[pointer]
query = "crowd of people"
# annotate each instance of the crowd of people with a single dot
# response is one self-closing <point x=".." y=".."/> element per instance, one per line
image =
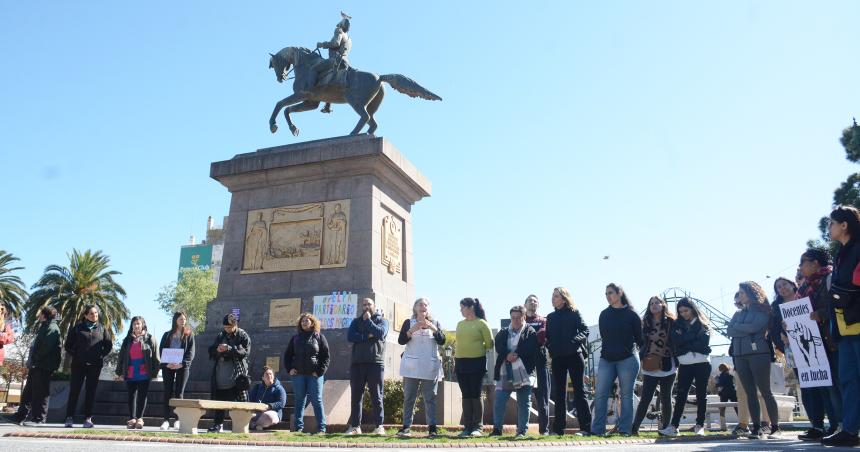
<point x="535" y="357"/>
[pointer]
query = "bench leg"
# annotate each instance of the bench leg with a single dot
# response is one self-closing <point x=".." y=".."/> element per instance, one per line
<point x="188" y="419"/>
<point x="241" y="419"/>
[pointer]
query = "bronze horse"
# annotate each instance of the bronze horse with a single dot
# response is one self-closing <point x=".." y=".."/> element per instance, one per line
<point x="363" y="91"/>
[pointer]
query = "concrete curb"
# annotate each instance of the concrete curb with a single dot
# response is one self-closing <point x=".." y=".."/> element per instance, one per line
<point x="341" y="444"/>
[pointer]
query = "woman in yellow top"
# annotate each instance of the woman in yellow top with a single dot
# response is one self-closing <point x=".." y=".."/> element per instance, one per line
<point x="474" y="338"/>
<point x="845" y="320"/>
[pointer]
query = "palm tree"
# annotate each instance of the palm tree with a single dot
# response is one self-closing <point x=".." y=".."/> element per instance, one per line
<point x="86" y="280"/>
<point x="12" y="291"/>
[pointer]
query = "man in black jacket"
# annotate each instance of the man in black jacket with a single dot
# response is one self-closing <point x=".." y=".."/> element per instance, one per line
<point x="88" y="343"/>
<point x="516" y="357"/>
<point x="44" y="360"/>
<point x="367" y="334"/>
<point x="541" y="390"/>
<point x="230" y="352"/>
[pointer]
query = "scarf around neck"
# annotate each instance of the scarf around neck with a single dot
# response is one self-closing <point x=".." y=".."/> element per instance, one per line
<point x="813" y="283"/>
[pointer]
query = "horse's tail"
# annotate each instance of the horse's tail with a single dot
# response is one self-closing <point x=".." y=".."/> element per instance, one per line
<point x="407" y="86"/>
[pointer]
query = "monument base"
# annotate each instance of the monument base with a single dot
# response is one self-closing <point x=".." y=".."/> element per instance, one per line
<point x="315" y="227"/>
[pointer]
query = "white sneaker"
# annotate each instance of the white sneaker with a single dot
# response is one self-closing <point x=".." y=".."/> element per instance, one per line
<point x="176" y="424"/>
<point x="353" y="430"/>
<point x="379" y="431"/>
<point x="669" y="431"/>
<point x="477" y="432"/>
<point x="165" y="425"/>
<point x="699" y="430"/>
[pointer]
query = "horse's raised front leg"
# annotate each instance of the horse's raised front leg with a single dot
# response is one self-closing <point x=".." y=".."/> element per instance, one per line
<point x="304" y="106"/>
<point x="279" y="106"/>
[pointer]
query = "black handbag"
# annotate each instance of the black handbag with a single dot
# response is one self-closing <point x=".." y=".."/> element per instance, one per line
<point x="843" y="297"/>
<point x="243" y="380"/>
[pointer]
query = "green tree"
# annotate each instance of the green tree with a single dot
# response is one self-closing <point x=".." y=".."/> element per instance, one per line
<point x="194" y="290"/>
<point x="87" y="280"/>
<point x="848" y="193"/>
<point x="851" y="142"/>
<point x="12" y="291"/>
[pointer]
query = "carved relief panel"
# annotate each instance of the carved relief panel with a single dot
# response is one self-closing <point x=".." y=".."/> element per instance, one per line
<point x="392" y="244"/>
<point x="300" y="237"/>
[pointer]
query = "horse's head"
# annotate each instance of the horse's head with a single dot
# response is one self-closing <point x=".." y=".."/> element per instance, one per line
<point x="280" y="65"/>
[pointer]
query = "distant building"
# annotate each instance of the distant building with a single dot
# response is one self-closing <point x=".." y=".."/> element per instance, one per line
<point x="207" y="254"/>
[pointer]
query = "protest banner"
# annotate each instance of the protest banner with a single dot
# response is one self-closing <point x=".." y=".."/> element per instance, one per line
<point x="336" y="310"/>
<point x="807" y="346"/>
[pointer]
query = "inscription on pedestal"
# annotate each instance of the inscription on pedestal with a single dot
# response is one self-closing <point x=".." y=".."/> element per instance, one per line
<point x="392" y="243"/>
<point x="284" y="311"/>
<point x="299" y="237"/>
<point x="274" y="363"/>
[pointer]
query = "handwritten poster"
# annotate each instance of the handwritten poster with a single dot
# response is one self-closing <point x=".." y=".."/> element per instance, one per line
<point x="336" y="310"/>
<point x="807" y="346"/>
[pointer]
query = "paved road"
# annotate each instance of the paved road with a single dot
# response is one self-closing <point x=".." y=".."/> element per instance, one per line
<point x="58" y="445"/>
<point x="52" y="445"/>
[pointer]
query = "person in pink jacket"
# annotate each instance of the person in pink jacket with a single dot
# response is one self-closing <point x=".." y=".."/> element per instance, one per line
<point x="6" y="334"/>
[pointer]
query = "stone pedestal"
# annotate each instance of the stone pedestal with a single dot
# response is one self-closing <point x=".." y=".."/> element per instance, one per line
<point x="307" y="220"/>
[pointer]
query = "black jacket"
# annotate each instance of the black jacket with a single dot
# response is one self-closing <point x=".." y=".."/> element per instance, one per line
<point x="566" y="333"/>
<point x="239" y="349"/>
<point x="775" y="330"/>
<point x="307" y="353"/>
<point x="403" y="339"/>
<point x="187" y="343"/>
<point x="726" y="385"/>
<point x="620" y="333"/>
<point x="846" y="294"/>
<point x="88" y="347"/>
<point x="527" y="350"/>
<point x="368" y="339"/>
<point x="691" y="338"/>
<point x="46" y="350"/>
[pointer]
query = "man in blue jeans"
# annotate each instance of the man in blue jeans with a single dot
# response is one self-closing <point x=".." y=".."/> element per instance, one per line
<point x="367" y="334"/>
<point x="516" y="357"/>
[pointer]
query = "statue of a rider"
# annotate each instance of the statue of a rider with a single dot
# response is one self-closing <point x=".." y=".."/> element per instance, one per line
<point x="338" y="50"/>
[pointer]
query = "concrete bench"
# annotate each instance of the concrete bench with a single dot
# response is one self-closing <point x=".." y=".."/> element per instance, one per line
<point x="190" y="411"/>
<point x="714" y="407"/>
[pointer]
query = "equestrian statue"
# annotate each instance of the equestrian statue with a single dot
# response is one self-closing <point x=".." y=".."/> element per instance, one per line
<point x="334" y="81"/>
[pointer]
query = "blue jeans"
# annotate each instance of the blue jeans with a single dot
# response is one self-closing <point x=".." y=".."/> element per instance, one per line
<point x="410" y="395"/>
<point x="524" y="402"/>
<point x="849" y="377"/>
<point x="309" y="387"/>
<point x="607" y="371"/>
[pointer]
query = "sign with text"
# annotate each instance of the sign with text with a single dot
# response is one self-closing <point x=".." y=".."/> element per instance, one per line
<point x="172" y="355"/>
<point x="195" y="256"/>
<point x="807" y="345"/>
<point x="336" y="310"/>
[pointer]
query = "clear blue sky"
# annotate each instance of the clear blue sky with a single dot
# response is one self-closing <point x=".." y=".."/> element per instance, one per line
<point x="695" y="144"/>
